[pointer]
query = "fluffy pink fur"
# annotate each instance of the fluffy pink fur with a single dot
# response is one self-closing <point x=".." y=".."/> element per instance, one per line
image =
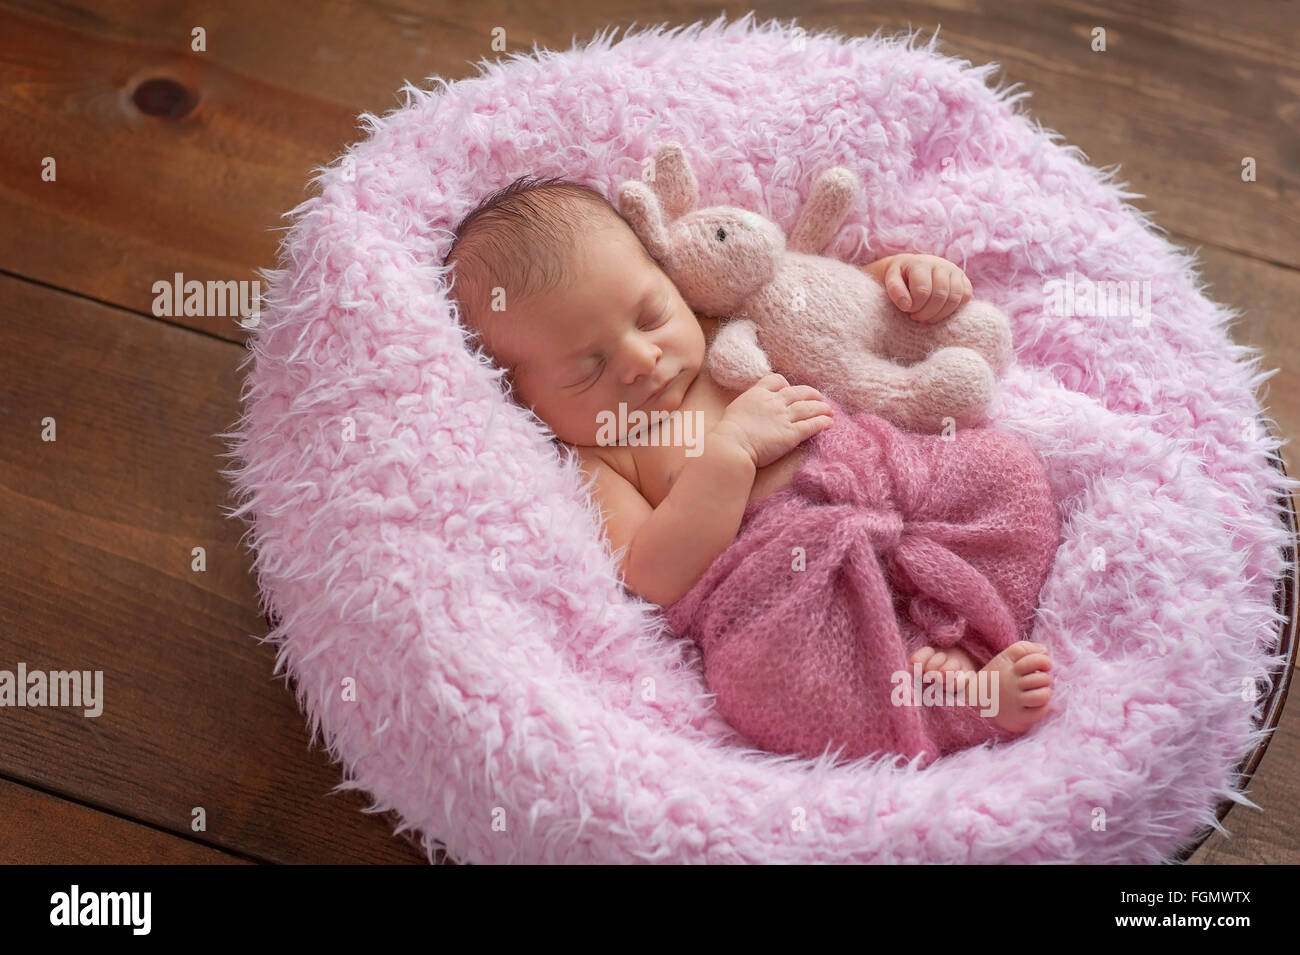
<point x="514" y="704"/>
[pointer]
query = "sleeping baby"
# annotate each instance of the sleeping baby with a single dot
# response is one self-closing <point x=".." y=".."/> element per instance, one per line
<point x="594" y="338"/>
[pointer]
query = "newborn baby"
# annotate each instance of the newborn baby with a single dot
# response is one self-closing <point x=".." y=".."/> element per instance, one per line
<point x="559" y="291"/>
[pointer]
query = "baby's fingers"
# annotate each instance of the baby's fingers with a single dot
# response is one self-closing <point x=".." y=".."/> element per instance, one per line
<point x="820" y="423"/>
<point x="803" y="392"/>
<point x="772" y="381"/>
<point x="810" y="406"/>
<point x="896" y="287"/>
<point x="936" y="295"/>
<point x="816" y="417"/>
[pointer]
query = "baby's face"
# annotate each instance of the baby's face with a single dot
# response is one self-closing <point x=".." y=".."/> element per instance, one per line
<point x="615" y="332"/>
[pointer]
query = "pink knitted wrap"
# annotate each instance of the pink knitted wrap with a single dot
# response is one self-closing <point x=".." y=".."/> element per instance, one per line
<point x="907" y="539"/>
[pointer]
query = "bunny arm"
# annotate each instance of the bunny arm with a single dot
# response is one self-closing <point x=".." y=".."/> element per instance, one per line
<point x="736" y="360"/>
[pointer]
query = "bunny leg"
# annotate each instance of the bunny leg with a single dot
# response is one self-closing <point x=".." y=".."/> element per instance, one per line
<point x="979" y="326"/>
<point x="954" y="383"/>
<point x="953" y="386"/>
<point x="984" y="327"/>
<point x="917" y="398"/>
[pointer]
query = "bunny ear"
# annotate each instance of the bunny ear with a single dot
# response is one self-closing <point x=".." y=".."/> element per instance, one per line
<point x="640" y="207"/>
<point x="833" y="194"/>
<point x="673" y="181"/>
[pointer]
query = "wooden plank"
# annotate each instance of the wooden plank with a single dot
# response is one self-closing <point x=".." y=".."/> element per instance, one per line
<point x="95" y="574"/>
<point x="39" y="829"/>
<point x="1178" y="98"/>
<point x="1181" y="95"/>
<point x="1266" y="296"/>
<point x="137" y="197"/>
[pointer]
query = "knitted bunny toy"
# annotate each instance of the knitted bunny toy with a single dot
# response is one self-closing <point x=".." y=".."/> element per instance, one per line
<point x="817" y="320"/>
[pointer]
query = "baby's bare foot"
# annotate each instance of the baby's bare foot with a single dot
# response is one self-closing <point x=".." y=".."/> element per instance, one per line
<point x="949" y="658"/>
<point x="1024" y="685"/>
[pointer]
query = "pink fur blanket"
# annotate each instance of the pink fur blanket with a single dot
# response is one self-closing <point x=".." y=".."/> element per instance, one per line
<point x="884" y="541"/>
<point x="424" y="547"/>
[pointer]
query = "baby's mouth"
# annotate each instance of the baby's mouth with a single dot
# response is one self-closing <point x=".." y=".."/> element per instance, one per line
<point x="659" y="394"/>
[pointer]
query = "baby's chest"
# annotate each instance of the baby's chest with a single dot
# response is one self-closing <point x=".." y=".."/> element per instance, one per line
<point x="658" y="466"/>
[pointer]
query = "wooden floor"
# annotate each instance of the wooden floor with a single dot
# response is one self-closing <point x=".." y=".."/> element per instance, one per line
<point x="200" y="755"/>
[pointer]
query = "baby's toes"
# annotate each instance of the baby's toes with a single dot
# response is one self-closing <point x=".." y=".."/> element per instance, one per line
<point x="1036" y="698"/>
<point x="921" y="657"/>
<point x="1031" y="662"/>
<point x="1035" y="689"/>
<point x="1020" y="649"/>
<point x="1035" y="680"/>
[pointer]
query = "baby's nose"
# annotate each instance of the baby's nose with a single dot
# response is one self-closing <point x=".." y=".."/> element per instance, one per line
<point x="646" y="360"/>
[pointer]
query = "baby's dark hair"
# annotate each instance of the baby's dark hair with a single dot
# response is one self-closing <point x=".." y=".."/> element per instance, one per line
<point x="518" y="238"/>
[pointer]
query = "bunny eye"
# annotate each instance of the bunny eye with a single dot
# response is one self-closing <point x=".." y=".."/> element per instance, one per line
<point x="722" y="235"/>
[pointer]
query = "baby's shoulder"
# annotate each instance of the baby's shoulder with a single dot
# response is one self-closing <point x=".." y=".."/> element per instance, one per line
<point x="617" y="458"/>
<point x="616" y="490"/>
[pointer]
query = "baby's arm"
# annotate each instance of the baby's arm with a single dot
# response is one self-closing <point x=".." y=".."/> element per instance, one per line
<point x="669" y="547"/>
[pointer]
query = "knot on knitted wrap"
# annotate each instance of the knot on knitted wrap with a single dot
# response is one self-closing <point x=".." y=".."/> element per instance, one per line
<point x="876" y="523"/>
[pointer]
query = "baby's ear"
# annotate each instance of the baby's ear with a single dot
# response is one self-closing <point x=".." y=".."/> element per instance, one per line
<point x="639" y="206"/>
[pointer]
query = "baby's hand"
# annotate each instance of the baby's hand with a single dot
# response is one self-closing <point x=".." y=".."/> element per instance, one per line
<point x="773" y="417"/>
<point x="925" y="286"/>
